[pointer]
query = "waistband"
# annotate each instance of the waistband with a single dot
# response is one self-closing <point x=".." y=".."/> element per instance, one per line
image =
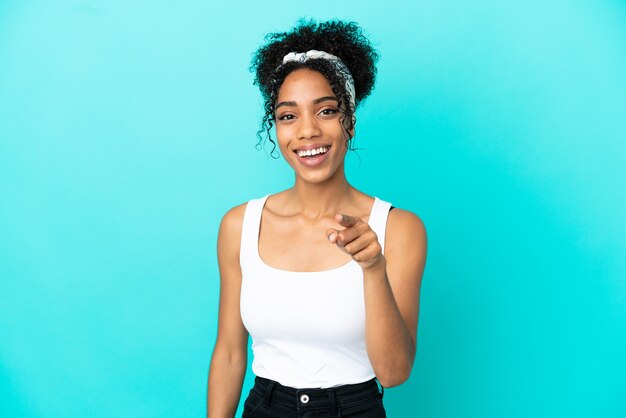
<point x="272" y="391"/>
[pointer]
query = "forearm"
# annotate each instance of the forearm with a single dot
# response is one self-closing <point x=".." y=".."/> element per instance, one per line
<point x="389" y="344"/>
<point x="224" y="386"/>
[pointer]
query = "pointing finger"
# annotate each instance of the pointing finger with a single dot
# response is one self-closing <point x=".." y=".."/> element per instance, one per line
<point x="346" y="220"/>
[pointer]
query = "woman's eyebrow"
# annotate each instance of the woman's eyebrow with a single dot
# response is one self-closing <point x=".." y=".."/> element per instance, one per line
<point x="316" y="101"/>
<point x="323" y="99"/>
<point x="293" y="104"/>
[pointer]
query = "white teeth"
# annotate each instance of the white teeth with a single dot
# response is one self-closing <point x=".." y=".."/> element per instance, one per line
<point x="320" y="150"/>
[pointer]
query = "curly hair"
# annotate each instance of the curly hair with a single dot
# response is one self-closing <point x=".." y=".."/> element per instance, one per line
<point x="342" y="39"/>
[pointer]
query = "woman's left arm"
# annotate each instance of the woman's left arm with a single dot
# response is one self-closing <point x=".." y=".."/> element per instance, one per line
<point x="392" y="288"/>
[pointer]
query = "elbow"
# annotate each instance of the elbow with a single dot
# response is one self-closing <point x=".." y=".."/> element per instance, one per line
<point x="393" y="378"/>
<point x="398" y="372"/>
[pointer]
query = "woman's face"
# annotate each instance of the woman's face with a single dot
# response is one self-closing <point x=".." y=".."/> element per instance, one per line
<point x="308" y="122"/>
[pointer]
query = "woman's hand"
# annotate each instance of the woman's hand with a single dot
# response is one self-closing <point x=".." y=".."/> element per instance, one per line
<point x="358" y="240"/>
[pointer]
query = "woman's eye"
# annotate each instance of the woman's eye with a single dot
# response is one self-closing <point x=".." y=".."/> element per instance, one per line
<point x="329" y="111"/>
<point x="286" y="117"/>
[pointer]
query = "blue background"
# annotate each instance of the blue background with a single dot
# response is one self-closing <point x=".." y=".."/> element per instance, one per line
<point x="127" y="129"/>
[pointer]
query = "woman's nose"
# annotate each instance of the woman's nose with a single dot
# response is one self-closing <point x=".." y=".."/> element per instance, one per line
<point x="308" y="127"/>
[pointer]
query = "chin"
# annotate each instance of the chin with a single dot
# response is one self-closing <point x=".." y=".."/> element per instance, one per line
<point x="319" y="177"/>
<point x="316" y="179"/>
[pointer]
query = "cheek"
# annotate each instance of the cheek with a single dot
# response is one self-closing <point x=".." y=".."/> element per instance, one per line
<point x="282" y="137"/>
<point x="337" y="131"/>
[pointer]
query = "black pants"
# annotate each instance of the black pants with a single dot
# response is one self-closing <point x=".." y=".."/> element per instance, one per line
<point x="270" y="399"/>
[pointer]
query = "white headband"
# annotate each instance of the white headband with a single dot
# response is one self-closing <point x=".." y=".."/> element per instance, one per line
<point x="339" y="66"/>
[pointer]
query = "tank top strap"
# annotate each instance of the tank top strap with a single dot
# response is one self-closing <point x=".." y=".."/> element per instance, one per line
<point x="250" y="230"/>
<point x="378" y="220"/>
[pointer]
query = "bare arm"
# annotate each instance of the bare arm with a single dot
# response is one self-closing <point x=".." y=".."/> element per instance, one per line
<point x="392" y="289"/>
<point x="229" y="361"/>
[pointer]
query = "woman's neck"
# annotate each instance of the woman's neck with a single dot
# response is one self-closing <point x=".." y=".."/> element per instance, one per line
<point x="319" y="200"/>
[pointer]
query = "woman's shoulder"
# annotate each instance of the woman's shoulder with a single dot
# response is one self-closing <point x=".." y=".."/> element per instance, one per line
<point x="231" y="225"/>
<point x="405" y="244"/>
<point x="405" y="226"/>
<point x="232" y="220"/>
<point x="404" y="216"/>
<point x="233" y="217"/>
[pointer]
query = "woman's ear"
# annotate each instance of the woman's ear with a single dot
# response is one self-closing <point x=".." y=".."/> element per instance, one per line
<point x="349" y="130"/>
<point x="352" y="132"/>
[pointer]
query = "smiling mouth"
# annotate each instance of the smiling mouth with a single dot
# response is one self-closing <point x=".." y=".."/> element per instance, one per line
<point x="312" y="152"/>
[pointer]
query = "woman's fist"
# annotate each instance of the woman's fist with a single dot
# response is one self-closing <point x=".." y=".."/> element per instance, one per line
<point x="357" y="239"/>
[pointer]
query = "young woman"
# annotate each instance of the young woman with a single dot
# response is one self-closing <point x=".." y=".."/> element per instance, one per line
<point x="323" y="277"/>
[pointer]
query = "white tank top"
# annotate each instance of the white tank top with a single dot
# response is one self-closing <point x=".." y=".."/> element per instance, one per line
<point x="307" y="328"/>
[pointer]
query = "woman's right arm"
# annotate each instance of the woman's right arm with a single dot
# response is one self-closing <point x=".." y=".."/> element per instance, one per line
<point x="230" y="355"/>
